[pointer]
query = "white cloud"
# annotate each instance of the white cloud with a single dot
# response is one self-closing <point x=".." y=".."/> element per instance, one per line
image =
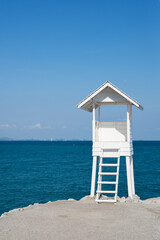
<point x="30" y="127"/>
<point x="4" y="126"/>
<point x="36" y="126"/>
<point x="64" y="127"/>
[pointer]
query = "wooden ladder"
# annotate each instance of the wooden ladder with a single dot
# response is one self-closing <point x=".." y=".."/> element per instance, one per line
<point x="108" y="153"/>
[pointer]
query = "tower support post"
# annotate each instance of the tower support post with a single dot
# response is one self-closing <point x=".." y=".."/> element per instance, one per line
<point x="93" y="181"/>
<point x="94" y="165"/>
<point x="132" y="175"/>
<point x="129" y="182"/>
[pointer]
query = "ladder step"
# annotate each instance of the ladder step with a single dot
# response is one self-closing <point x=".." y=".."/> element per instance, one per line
<point x="108" y="173"/>
<point x="109" y="156"/>
<point x="108" y="200"/>
<point x="103" y="182"/>
<point x="103" y="191"/>
<point x="109" y="164"/>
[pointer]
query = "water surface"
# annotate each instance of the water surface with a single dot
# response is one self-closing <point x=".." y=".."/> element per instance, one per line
<point x="38" y="172"/>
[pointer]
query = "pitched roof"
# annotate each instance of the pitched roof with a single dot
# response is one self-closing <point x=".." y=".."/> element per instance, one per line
<point x="107" y="94"/>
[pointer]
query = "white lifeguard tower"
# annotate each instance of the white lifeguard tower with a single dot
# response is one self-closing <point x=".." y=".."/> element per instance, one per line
<point x="111" y="140"/>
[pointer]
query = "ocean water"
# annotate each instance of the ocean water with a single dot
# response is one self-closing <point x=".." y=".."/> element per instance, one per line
<point x="38" y="172"/>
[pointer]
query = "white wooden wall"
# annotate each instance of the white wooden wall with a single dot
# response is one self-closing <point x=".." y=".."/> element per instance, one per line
<point x="110" y="131"/>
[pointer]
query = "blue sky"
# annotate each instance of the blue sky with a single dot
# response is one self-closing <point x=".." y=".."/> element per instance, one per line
<point x="54" y="53"/>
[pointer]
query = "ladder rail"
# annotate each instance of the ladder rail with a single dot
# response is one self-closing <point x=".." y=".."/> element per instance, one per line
<point x="117" y="179"/>
<point x="99" y="177"/>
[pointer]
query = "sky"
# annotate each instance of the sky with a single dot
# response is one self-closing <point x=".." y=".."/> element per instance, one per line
<point x="55" y="53"/>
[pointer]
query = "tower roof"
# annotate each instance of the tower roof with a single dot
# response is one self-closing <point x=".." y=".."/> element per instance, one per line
<point x="107" y="94"/>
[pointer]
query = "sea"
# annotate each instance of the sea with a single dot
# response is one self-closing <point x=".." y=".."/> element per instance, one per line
<point x="41" y="171"/>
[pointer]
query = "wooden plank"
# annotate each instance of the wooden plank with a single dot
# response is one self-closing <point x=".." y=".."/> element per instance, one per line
<point x="105" y="182"/>
<point x="106" y="191"/>
<point x="105" y="201"/>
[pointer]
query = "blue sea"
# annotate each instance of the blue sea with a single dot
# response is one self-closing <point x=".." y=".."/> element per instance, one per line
<point x="38" y="172"/>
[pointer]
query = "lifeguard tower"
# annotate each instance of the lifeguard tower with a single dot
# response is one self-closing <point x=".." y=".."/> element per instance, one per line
<point x="111" y="140"/>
